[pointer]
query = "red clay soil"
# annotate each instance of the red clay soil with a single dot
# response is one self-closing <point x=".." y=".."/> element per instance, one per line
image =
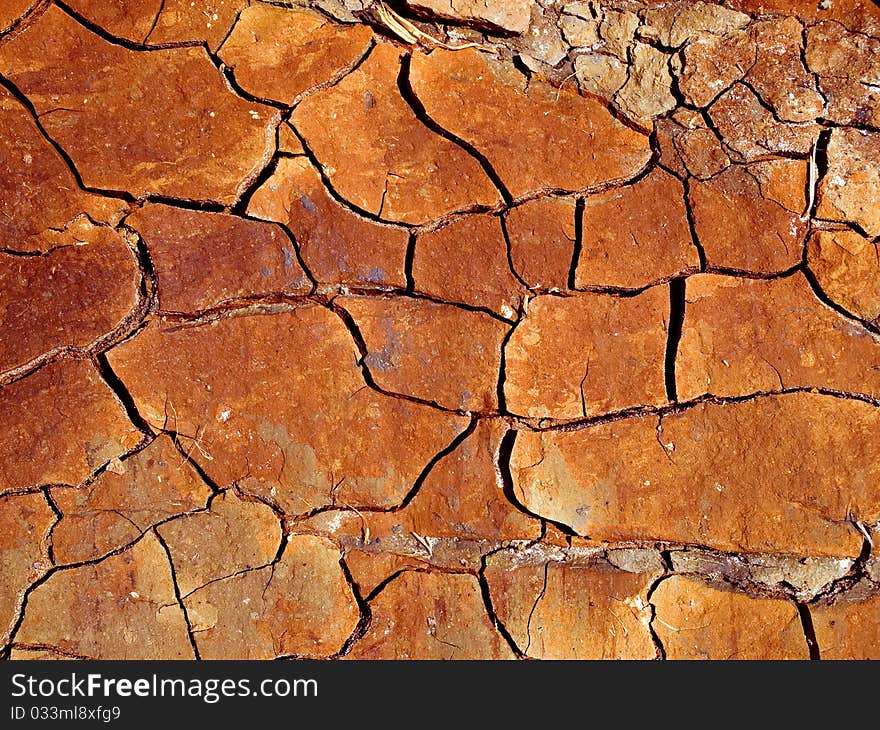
<point x="496" y="330"/>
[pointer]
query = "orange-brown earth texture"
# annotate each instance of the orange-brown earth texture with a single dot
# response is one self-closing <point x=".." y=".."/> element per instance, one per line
<point x="498" y="329"/>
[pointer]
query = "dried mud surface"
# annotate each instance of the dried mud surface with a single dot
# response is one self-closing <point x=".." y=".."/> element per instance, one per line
<point x="497" y="330"/>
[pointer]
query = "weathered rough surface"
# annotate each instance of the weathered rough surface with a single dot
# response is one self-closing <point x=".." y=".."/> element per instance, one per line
<point x="850" y="189"/>
<point x="848" y="66"/>
<point x="242" y="416"/>
<point x="132" y="592"/>
<point x="379" y="156"/>
<point x="586" y="355"/>
<point x="338" y="246"/>
<point x="536" y="138"/>
<point x="847" y="268"/>
<point x="25" y="521"/>
<point x="848" y="629"/>
<point x="750" y="335"/>
<point x="743" y="228"/>
<point x="696" y="621"/>
<point x="87" y="291"/>
<point x="466" y="262"/>
<point x="636" y="236"/>
<point x="698" y="478"/>
<point x="572" y="611"/>
<point x="232" y="536"/>
<point x="204" y="260"/>
<point x="198" y="140"/>
<point x="40" y="197"/>
<point x="542" y="240"/>
<point x="439" y="329"/>
<point x="434" y="352"/>
<point x="505" y="15"/>
<point x="61" y="424"/>
<point x="431" y="616"/>
<point x="299" y="606"/>
<point x="278" y="53"/>
<point x="124" y="501"/>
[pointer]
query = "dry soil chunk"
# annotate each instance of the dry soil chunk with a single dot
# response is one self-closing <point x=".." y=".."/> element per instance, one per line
<point x="298" y="606"/>
<point x="850" y="189"/>
<point x="338" y="246"/>
<point x="466" y="262"/>
<point x="848" y="67"/>
<point x="647" y="92"/>
<point x="436" y="352"/>
<point x="232" y="536"/>
<point x="167" y="123"/>
<point x="512" y="16"/>
<point x="67" y="298"/>
<point x="698" y="478"/>
<point x="636" y="235"/>
<point x="711" y="64"/>
<point x="39" y="195"/>
<point x="848" y="629"/>
<point x="431" y="616"/>
<point x="537" y="138"/>
<point x="123" y="607"/>
<point x="279" y="405"/>
<point x="744" y="336"/>
<point x="124" y="501"/>
<point x="195" y="20"/>
<point x="572" y="611"/>
<point x="280" y="53"/>
<point x="847" y="267"/>
<point x="742" y="227"/>
<point x="542" y="238"/>
<point x="25" y="521"/>
<point x="203" y="260"/>
<point x="695" y="621"/>
<point x="379" y="156"/>
<point x="61" y="424"/>
<point x="581" y="356"/>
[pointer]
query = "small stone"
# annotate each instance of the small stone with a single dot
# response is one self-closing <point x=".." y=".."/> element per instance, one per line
<point x="116" y="509"/>
<point x="847" y="268"/>
<point x="740" y="229"/>
<point x="648" y="91"/>
<point x="151" y="112"/>
<point x="466" y="262"/>
<point x="435" y="352"/>
<point x="38" y="447"/>
<point x="587" y="355"/>
<point x="302" y="429"/>
<point x="636" y="235"/>
<point x="338" y="246"/>
<point x="696" y="621"/>
<point x="25" y="522"/>
<point x="68" y="298"/>
<point x="380" y="157"/>
<point x="281" y="53"/>
<point x="697" y="477"/>
<point x="536" y="139"/>
<point x="203" y="260"/>
<point x="572" y="611"/>
<point x="430" y="616"/>
<point x="850" y="189"/>
<point x="300" y="605"/>
<point x="542" y="239"/>
<point x="62" y="611"/>
<point x="512" y="16"/>
<point x="743" y="336"/>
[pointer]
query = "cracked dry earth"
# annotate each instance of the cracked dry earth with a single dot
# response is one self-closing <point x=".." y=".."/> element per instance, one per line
<point x="447" y="330"/>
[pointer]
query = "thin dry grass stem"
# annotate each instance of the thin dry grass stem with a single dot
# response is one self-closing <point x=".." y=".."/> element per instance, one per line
<point x="408" y="32"/>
